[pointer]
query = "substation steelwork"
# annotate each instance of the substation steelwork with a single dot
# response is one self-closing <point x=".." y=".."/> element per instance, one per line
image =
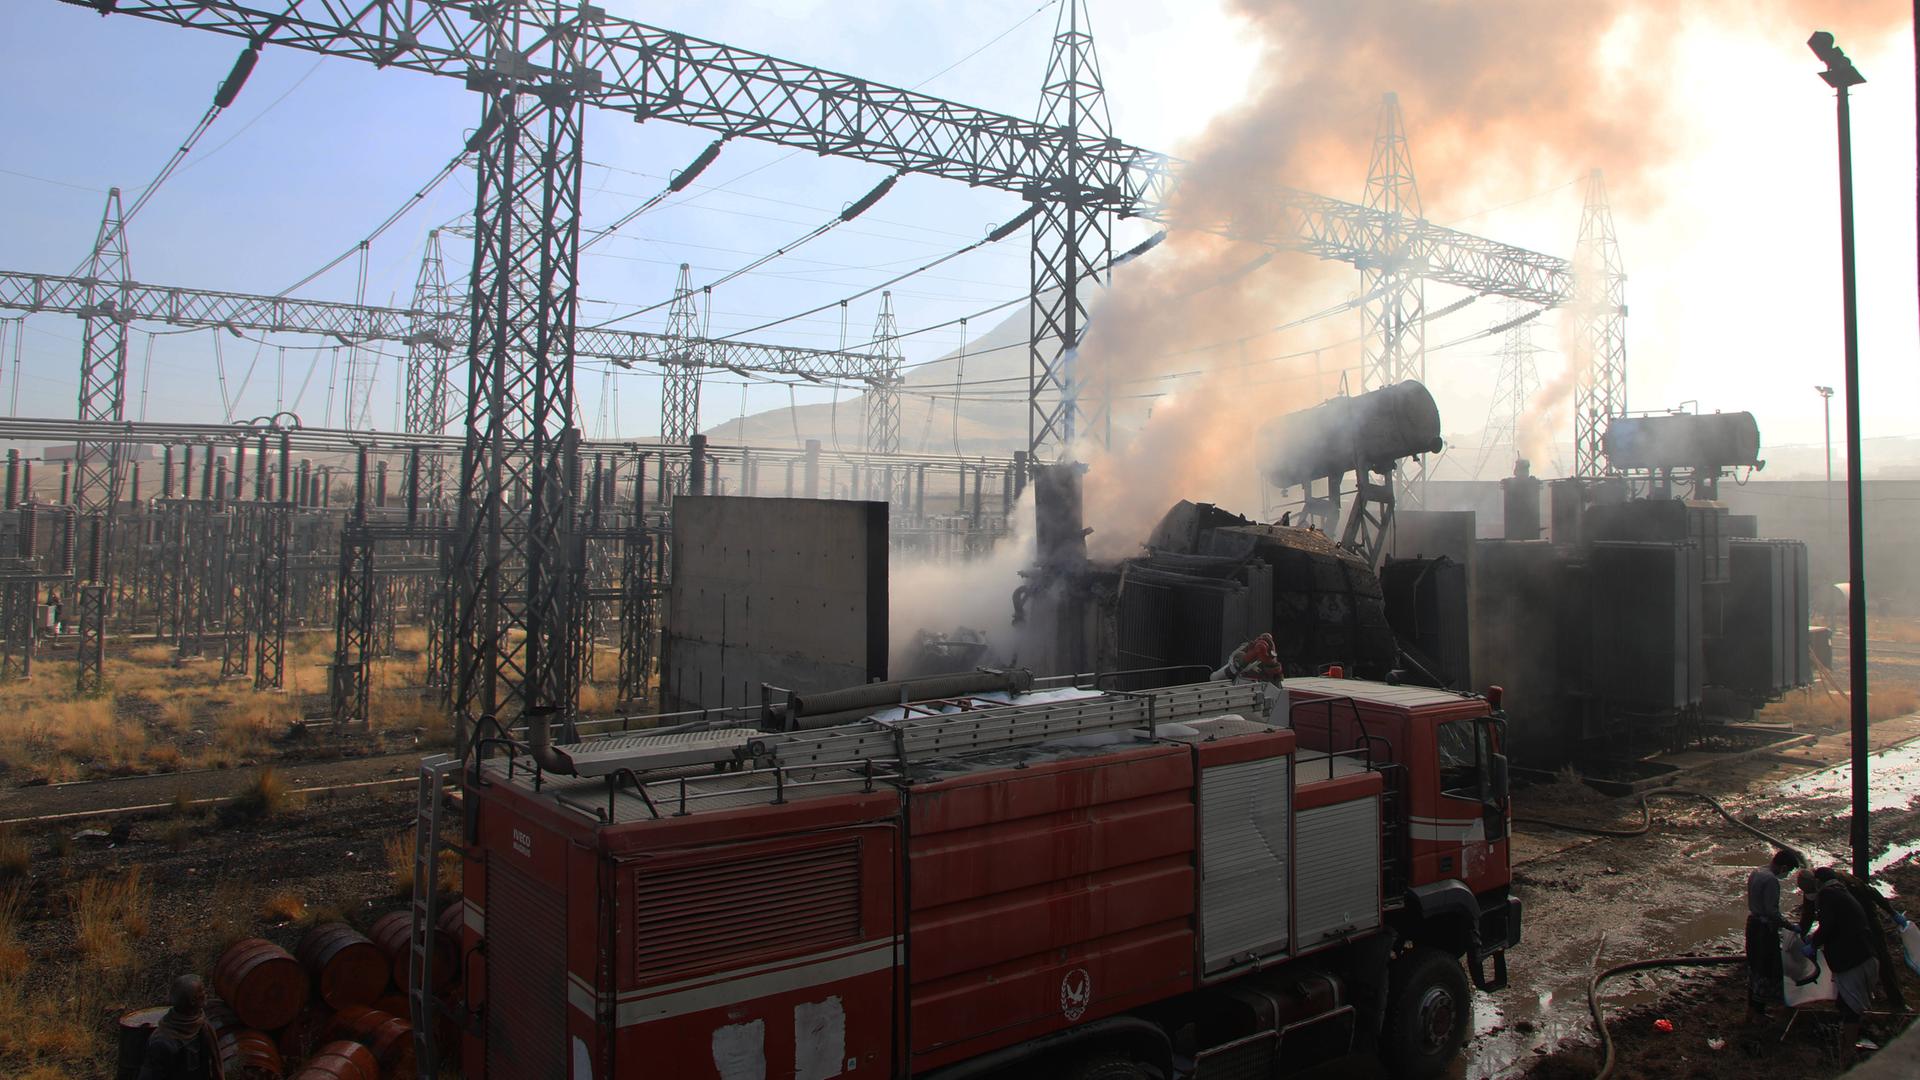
<point x="499" y="507"/>
<point x="220" y="568"/>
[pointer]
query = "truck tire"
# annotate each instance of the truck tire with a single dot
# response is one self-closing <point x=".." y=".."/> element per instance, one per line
<point x="1113" y="1066"/>
<point x="1429" y="1008"/>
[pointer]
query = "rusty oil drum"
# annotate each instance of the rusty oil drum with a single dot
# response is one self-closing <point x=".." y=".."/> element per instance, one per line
<point x="246" y="1054"/>
<point x="135" y="1029"/>
<point x="307" y="1031"/>
<point x="394" y="936"/>
<point x="261" y="982"/>
<point x="341" y="1060"/>
<point x="390" y="1037"/>
<point x="347" y="968"/>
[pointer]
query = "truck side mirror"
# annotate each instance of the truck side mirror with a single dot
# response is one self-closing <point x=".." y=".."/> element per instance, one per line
<point x="1499" y="784"/>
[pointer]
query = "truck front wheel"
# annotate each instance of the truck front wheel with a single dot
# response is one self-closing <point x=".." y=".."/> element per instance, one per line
<point x="1429" y="1007"/>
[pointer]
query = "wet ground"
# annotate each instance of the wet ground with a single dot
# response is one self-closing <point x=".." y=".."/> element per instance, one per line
<point x="1678" y="890"/>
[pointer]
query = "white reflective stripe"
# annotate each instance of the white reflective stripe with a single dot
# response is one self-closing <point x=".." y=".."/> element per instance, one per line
<point x="474" y="918"/>
<point x="1455" y="831"/>
<point x="580" y="995"/>
<point x="736" y="973"/>
<point x="806" y="972"/>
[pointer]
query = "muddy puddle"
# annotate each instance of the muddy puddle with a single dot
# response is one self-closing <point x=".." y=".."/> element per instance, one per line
<point x="1673" y="893"/>
<point x="1896" y="779"/>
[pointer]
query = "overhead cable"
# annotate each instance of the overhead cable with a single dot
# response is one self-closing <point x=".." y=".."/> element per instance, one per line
<point x="675" y="185"/>
<point x="224" y="96"/>
<point x="412" y="201"/>
<point x="999" y="233"/>
<point x="853" y="210"/>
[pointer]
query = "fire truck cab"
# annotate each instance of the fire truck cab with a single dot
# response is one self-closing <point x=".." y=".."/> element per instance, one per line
<point x="1065" y="883"/>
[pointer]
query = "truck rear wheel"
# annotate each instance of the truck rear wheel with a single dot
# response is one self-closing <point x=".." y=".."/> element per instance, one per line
<point x="1113" y="1066"/>
<point x="1429" y="1007"/>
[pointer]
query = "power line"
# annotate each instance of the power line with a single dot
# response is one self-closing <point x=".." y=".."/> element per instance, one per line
<point x="853" y="210"/>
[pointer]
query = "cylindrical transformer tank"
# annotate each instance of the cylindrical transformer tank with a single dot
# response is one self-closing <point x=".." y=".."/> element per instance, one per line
<point x="1683" y="441"/>
<point x="1374" y="429"/>
<point x="1520" y="494"/>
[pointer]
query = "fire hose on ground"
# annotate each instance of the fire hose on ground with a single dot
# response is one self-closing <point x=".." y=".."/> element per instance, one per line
<point x="1693" y="960"/>
<point x="1593" y="988"/>
<point x="1646" y="819"/>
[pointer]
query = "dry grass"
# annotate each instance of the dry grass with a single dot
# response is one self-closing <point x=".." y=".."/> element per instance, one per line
<point x="181" y="712"/>
<point x="85" y="729"/>
<point x="53" y="1031"/>
<point x="410" y="639"/>
<point x="13" y="955"/>
<point x="266" y="796"/>
<point x="399" y="854"/>
<point x="283" y="906"/>
<point x="597" y="699"/>
<point x="1905" y="631"/>
<point x="15" y="856"/>
<point x="242" y="735"/>
<point x="109" y="915"/>
<point x="164" y="757"/>
<point x="152" y="654"/>
<point x="1818" y="709"/>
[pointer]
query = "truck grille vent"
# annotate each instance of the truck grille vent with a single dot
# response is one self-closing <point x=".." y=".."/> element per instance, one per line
<point x="526" y="979"/>
<point x="715" y="914"/>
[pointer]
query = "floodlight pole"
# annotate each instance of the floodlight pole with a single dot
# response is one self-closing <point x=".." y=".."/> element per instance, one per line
<point x="1841" y="74"/>
<point x="1826" y="419"/>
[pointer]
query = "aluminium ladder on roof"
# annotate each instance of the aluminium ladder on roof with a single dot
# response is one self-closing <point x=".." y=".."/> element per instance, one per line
<point x="421" y="1002"/>
<point x="926" y="737"/>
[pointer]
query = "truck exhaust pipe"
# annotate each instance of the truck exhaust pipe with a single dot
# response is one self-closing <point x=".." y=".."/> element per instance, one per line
<point x="549" y="757"/>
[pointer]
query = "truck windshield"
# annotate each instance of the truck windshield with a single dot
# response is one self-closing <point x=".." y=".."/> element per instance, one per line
<point x="1461" y="759"/>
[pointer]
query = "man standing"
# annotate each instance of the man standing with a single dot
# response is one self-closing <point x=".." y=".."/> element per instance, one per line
<point x="1843" y="934"/>
<point x="1764" y="924"/>
<point x="1869" y="899"/>
<point x="182" y="1046"/>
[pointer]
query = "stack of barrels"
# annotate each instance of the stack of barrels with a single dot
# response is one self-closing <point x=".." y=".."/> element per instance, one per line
<point x="337" y="1004"/>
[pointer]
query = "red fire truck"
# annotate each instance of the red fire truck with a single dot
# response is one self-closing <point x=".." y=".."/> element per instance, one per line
<point x="1063" y="883"/>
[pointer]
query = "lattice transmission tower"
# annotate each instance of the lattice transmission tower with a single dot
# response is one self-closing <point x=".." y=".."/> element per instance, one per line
<point x="1394" y="345"/>
<point x="883" y="393"/>
<point x="97" y="466"/>
<point x="1072" y="240"/>
<point x="680" y="387"/>
<point x="513" y="544"/>
<point x="1599" y="310"/>
<point x="431" y="338"/>
<point x="1515" y="385"/>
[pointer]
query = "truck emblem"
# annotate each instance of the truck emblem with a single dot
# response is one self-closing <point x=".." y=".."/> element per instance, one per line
<point x="1076" y="991"/>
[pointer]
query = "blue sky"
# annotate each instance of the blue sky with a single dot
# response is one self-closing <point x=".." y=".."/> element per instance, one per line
<point x="1731" y="272"/>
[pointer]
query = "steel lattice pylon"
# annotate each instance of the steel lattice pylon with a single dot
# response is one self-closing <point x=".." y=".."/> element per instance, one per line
<point x="96" y="473"/>
<point x="50" y="293"/>
<point x="514" y="621"/>
<point x="1599" y="309"/>
<point x="680" y="387"/>
<point x="430" y="342"/>
<point x="273" y="523"/>
<point x="1519" y="377"/>
<point x="1072" y="240"/>
<point x="883" y="383"/>
<point x="1394" y="345"/>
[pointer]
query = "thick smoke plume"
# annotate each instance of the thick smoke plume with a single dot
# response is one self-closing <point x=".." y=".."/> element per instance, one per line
<point x="977" y="595"/>
<point x="1501" y="96"/>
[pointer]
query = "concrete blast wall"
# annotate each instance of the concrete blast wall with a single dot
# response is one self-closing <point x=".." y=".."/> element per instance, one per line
<point x="790" y="592"/>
